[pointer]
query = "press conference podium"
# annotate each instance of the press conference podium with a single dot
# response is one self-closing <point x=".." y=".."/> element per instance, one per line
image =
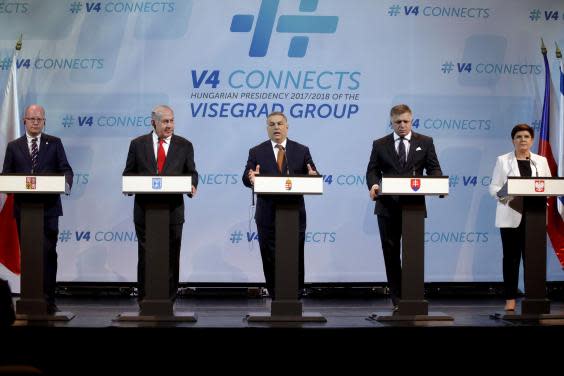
<point x="412" y="305"/>
<point x="157" y="305"/>
<point x="534" y="190"/>
<point x="32" y="304"/>
<point x="287" y="307"/>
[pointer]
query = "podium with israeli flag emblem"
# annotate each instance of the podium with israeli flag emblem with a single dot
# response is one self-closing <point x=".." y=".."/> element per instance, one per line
<point x="32" y="305"/>
<point x="412" y="305"/>
<point x="287" y="307"/>
<point x="157" y="304"/>
<point x="534" y="191"/>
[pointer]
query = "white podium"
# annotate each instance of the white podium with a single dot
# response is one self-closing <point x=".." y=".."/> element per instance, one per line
<point x="286" y="190"/>
<point x="412" y="305"/>
<point x="536" y="193"/>
<point x="156" y="305"/>
<point x="32" y="304"/>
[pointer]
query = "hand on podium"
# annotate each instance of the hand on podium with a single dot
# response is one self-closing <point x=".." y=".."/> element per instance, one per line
<point x="374" y="192"/>
<point x="253" y="173"/>
<point x="311" y="171"/>
<point x="192" y="193"/>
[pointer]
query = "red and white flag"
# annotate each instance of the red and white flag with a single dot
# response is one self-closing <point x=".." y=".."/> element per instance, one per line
<point x="550" y="141"/>
<point x="9" y="130"/>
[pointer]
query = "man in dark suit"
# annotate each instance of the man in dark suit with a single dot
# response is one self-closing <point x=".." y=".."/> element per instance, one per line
<point x="275" y="157"/>
<point x="161" y="152"/>
<point x="40" y="153"/>
<point x="402" y="153"/>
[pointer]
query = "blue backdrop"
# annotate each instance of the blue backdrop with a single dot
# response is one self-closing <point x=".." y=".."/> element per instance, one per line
<point x="469" y="70"/>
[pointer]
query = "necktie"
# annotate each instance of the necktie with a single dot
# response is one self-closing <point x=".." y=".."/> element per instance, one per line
<point x="401" y="152"/>
<point x="161" y="156"/>
<point x="34" y="154"/>
<point x="280" y="157"/>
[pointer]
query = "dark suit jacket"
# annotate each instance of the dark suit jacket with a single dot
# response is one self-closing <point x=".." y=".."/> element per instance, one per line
<point x="384" y="162"/>
<point x="51" y="160"/>
<point x="296" y="161"/>
<point x="179" y="161"/>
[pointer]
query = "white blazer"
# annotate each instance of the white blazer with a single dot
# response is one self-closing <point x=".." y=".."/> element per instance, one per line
<point x="506" y="214"/>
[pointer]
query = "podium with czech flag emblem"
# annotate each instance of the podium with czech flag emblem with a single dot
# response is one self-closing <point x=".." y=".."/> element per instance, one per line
<point x="32" y="189"/>
<point x="412" y="305"/>
<point x="287" y="307"/>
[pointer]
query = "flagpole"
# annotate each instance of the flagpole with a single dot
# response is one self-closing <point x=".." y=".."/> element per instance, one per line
<point x="9" y="130"/>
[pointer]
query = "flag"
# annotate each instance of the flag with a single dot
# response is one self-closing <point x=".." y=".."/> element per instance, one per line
<point x="555" y="222"/>
<point x="560" y="132"/>
<point x="9" y="130"/>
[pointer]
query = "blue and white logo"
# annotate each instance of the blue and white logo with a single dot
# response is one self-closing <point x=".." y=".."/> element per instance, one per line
<point x="302" y="24"/>
<point x="157" y="183"/>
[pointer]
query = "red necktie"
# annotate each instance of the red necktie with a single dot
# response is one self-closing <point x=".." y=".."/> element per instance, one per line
<point x="161" y="156"/>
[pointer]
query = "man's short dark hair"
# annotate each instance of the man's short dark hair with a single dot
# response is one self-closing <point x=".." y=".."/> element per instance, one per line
<point x="400" y="109"/>
<point x="276" y="113"/>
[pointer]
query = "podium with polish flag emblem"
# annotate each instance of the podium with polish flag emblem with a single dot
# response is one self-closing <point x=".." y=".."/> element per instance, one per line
<point x="32" y="304"/>
<point x="534" y="191"/>
<point x="412" y="305"/>
<point x="287" y="307"/>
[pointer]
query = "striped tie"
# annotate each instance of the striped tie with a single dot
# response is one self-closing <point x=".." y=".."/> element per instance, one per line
<point x="34" y="154"/>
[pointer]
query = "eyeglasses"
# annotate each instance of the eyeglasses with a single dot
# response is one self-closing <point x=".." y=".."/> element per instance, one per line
<point x="35" y="120"/>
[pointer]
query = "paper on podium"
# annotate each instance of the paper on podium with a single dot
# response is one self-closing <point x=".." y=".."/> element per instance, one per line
<point x="503" y="191"/>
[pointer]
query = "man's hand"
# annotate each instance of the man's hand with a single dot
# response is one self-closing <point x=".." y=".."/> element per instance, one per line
<point x="252" y="173"/>
<point x="374" y="191"/>
<point x="311" y="171"/>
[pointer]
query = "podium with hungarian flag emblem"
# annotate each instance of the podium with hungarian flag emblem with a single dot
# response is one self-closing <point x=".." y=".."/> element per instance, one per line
<point x="287" y="307"/>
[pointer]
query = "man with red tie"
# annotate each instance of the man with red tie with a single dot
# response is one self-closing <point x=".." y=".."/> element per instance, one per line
<point x="277" y="156"/>
<point x="161" y="152"/>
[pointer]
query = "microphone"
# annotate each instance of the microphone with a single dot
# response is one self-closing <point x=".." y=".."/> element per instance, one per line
<point x="287" y="161"/>
<point x="534" y="165"/>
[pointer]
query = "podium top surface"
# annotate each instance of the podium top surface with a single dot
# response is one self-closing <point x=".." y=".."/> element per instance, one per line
<point x="289" y="185"/>
<point x="535" y="186"/>
<point x="156" y="184"/>
<point x="414" y="185"/>
<point x="32" y="183"/>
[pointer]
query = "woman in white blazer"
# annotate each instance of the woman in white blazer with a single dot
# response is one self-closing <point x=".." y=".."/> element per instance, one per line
<point x="508" y="214"/>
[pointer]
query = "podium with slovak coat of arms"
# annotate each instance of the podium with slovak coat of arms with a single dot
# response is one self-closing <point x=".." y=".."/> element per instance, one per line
<point x="412" y="305"/>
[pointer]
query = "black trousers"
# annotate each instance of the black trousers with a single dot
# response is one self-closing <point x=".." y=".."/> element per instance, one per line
<point x="390" y="237"/>
<point x="267" y="244"/>
<point x="175" y="242"/>
<point x="50" y="237"/>
<point x="513" y="243"/>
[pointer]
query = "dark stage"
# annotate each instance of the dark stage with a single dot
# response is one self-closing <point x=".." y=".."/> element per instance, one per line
<point x="222" y="340"/>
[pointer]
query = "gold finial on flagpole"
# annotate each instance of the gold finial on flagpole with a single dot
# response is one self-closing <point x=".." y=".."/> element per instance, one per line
<point x="19" y="43"/>
<point x="543" y="47"/>
<point x="558" y="52"/>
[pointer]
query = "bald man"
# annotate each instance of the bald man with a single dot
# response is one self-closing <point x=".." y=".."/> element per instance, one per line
<point x="40" y="153"/>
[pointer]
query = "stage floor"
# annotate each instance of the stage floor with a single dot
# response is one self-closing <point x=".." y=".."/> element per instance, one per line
<point x="222" y="340"/>
<point x="230" y="312"/>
